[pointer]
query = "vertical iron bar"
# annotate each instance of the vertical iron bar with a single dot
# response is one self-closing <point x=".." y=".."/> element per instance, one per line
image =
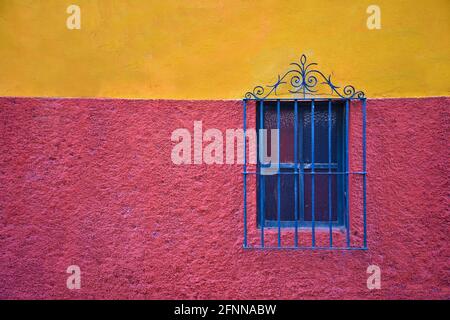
<point x="261" y="177"/>
<point x="279" y="174"/>
<point x="313" y="222"/>
<point x="364" y="169"/>
<point x="347" y="169"/>
<point x="245" y="172"/>
<point x="295" y="173"/>
<point x="329" y="175"/>
<point x="302" y="172"/>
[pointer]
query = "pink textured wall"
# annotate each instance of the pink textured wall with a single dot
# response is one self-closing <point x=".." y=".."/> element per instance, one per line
<point x="90" y="182"/>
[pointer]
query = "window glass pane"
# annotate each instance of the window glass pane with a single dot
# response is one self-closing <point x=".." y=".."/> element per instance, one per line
<point x="287" y="196"/>
<point x="320" y="131"/>
<point x="286" y="128"/>
<point x="270" y="122"/>
<point x="320" y="196"/>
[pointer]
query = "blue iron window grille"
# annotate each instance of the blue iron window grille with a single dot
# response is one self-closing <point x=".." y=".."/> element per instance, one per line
<point x="309" y="194"/>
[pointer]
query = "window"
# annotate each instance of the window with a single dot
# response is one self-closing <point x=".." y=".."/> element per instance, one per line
<point x="312" y="194"/>
<point x="296" y="173"/>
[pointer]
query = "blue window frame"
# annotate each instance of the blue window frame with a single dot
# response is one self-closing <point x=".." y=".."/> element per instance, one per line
<point x="296" y="166"/>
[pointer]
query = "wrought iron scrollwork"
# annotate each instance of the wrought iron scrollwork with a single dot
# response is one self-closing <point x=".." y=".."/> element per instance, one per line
<point x="303" y="78"/>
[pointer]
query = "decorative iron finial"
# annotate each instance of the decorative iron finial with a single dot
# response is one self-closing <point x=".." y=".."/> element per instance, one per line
<point x="304" y="79"/>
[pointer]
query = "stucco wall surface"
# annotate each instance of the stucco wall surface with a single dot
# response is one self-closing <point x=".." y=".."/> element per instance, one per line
<point x="90" y="182"/>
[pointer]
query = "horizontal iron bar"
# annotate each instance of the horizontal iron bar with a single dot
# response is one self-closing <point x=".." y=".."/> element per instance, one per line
<point x="307" y="173"/>
<point x="306" y="165"/>
<point x="303" y="225"/>
<point x="307" y="248"/>
<point x="303" y="99"/>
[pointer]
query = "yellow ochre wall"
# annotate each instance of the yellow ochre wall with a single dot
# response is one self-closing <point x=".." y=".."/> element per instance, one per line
<point x="205" y="49"/>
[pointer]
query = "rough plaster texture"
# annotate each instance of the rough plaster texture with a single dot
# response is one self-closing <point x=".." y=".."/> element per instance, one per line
<point x="90" y="182"/>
